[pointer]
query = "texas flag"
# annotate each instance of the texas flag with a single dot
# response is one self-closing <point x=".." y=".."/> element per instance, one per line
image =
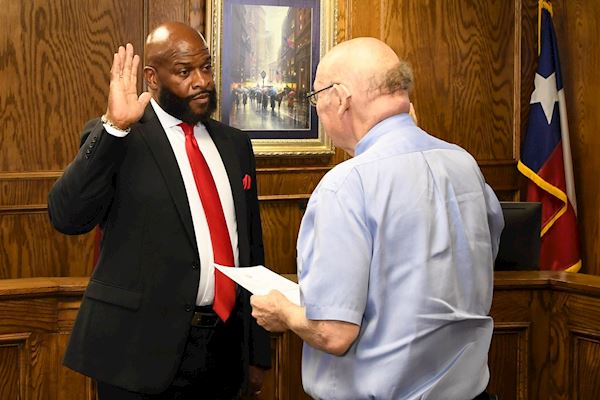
<point x="546" y="156"/>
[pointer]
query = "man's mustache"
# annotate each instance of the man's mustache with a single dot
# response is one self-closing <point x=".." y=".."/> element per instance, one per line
<point x="210" y="93"/>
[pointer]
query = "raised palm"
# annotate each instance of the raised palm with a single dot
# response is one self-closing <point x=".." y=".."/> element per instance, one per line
<point x="125" y="107"/>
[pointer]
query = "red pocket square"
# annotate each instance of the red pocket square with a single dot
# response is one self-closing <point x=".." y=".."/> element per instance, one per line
<point x="247" y="182"/>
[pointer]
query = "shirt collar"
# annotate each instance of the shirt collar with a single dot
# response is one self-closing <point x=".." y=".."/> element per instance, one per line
<point x="380" y="129"/>
<point x="166" y="119"/>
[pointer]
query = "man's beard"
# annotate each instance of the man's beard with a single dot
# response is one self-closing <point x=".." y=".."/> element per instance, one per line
<point x="179" y="107"/>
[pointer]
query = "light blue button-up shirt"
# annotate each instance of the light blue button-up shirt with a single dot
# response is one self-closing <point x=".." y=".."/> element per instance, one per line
<point x="401" y="240"/>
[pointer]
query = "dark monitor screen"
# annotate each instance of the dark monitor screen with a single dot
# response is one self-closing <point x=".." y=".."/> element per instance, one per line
<point x="519" y="248"/>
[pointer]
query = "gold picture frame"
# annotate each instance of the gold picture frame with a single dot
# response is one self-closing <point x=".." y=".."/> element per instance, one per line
<point x="287" y="125"/>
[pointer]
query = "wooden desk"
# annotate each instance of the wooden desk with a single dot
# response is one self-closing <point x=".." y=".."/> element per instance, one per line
<point x="546" y="342"/>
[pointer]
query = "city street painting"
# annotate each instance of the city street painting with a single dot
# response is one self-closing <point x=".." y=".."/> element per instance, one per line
<point x="265" y="54"/>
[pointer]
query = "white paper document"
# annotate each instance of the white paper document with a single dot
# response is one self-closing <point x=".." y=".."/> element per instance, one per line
<point x="260" y="280"/>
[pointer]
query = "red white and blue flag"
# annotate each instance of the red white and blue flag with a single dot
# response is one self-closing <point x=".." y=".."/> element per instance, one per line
<point x="546" y="155"/>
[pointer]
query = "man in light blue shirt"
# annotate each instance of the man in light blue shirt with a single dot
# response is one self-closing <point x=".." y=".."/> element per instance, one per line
<point x="396" y="249"/>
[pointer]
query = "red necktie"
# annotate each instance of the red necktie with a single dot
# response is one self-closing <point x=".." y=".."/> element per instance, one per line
<point x="219" y="235"/>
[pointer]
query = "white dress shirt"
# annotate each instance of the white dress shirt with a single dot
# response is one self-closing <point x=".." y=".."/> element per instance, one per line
<point x="176" y="137"/>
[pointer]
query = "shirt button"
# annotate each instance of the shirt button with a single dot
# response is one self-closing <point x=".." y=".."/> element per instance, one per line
<point x="188" y="307"/>
<point x="195" y="265"/>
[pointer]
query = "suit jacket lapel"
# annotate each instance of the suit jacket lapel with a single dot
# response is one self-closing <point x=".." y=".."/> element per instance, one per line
<point x="232" y="166"/>
<point x="156" y="139"/>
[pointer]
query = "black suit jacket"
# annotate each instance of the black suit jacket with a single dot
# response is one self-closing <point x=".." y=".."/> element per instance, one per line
<point x="135" y="314"/>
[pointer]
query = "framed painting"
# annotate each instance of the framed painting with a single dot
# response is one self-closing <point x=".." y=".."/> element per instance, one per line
<point x="265" y="54"/>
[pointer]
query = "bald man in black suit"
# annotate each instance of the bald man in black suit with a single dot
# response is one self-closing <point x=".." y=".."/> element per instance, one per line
<point x="146" y="328"/>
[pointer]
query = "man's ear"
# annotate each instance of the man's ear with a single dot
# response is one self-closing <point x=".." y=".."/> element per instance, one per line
<point x="151" y="78"/>
<point x="344" y="96"/>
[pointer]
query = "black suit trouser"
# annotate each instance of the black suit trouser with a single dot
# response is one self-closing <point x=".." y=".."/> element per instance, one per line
<point x="211" y="368"/>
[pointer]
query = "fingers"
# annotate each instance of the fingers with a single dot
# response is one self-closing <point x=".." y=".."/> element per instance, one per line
<point x="144" y="99"/>
<point x="115" y="70"/>
<point x="127" y="64"/>
<point x="133" y="72"/>
<point x="121" y="54"/>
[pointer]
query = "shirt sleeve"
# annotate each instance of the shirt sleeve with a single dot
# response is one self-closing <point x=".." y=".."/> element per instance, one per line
<point x="114" y="131"/>
<point x="495" y="218"/>
<point x="336" y="254"/>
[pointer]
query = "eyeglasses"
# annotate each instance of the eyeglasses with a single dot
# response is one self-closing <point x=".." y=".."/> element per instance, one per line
<point x="313" y="96"/>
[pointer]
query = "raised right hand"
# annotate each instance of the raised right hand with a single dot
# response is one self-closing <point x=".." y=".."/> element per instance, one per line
<point x="125" y="107"/>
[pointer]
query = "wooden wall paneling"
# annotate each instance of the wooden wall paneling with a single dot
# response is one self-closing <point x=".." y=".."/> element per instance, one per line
<point x="53" y="77"/>
<point x="532" y="311"/>
<point x="585" y="365"/>
<point x="582" y="343"/>
<point x="466" y="61"/>
<point x="284" y="380"/>
<point x="197" y="17"/>
<point x="521" y="318"/>
<point x="502" y="177"/>
<point x="280" y="223"/>
<point x="31" y="319"/>
<point x="42" y="352"/>
<point x="293" y="369"/>
<point x="574" y="343"/>
<point x="559" y="348"/>
<point x="539" y="370"/>
<point x="510" y="311"/>
<point x="25" y="184"/>
<point x="342" y="21"/>
<point x="25" y="191"/>
<point x="529" y="56"/>
<point x="463" y="56"/>
<point x="71" y="385"/>
<point x="27" y="323"/>
<point x="272" y="384"/>
<point x="509" y="349"/>
<point x="54" y="74"/>
<point x="14" y="366"/>
<point x="283" y="193"/>
<point x="365" y="18"/>
<point x="30" y="247"/>
<point x="160" y="11"/>
<point x="577" y="24"/>
<point x="288" y="181"/>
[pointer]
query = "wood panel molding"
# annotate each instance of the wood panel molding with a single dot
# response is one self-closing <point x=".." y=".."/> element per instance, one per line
<point x="36" y="318"/>
<point x="15" y="368"/>
<point x="561" y="310"/>
<point x="509" y="356"/>
<point x="281" y="216"/>
<point x="25" y="192"/>
<point x="585" y="363"/>
<point x="529" y="308"/>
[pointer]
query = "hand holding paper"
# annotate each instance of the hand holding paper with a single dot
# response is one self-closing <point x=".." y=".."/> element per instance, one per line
<point x="260" y="280"/>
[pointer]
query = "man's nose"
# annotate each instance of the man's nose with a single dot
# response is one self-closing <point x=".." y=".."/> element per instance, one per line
<point x="200" y="79"/>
